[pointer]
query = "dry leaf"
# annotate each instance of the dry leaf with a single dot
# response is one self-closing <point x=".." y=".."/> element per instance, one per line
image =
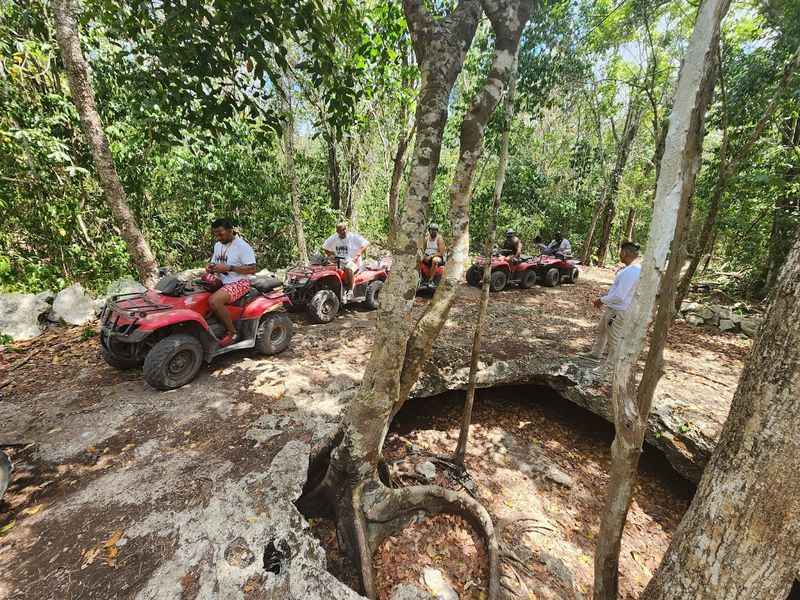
<point x="32" y="510"/>
<point x="115" y="537"/>
<point x="7" y="527"/>
<point x="89" y="556"/>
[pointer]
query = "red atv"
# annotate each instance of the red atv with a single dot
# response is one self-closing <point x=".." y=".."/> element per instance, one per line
<point x="526" y="271"/>
<point x="319" y="286"/>
<point x="171" y="330"/>
<point x="426" y="282"/>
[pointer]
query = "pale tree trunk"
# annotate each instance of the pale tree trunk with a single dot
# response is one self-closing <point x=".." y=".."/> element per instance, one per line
<point x="679" y="165"/>
<point x="64" y="12"/>
<point x="366" y="510"/>
<point x="608" y="209"/>
<point x="499" y="181"/>
<point x="291" y="174"/>
<point x="728" y="167"/>
<point x="740" y="538"/>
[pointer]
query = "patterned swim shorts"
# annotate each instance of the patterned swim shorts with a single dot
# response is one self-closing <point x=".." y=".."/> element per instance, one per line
<point x="237" y="289"/>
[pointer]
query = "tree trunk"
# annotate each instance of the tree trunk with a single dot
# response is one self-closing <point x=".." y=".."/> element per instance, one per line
<point x="632" y="119"/>
<point x="680" y="162"/>
<point x="740" y="537"/>
<point x="367" y="510"/>
<point x="83" y="97"/>
<point x="291" y="175"/>
<point x="500" y="178"/>
<point x="334" y="186"/>
<point x="398" y="166"/>
<point x="630" y="224"/>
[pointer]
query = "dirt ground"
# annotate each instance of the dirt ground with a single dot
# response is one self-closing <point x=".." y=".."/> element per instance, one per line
<point x="112" y="478"/>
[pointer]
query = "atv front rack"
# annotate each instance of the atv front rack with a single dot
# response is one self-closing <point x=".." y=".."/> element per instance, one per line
<point x="112" y="313"/>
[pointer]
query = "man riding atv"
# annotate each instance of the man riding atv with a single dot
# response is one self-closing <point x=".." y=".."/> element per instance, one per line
<point x="560" y="246"/>
<point x="512" y="246"/>
<point x="232" y="261"/>
<point x="435" y="250"/>
<point x="349" y="247"/>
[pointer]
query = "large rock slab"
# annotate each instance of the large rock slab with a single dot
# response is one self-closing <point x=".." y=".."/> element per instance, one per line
<point x="686" y="446"/>
<point x="72" y="306"/>
<point x="20" y="314"/>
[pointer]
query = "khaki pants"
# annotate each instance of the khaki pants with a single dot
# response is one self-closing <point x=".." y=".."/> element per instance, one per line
<point x="609" y="331"/>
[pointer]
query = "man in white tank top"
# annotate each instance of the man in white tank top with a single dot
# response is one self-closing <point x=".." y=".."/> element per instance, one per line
<point x="434" y="250"/>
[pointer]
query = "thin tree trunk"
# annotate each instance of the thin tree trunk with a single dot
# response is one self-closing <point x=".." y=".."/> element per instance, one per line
<point x="680" y="162"/>
<point x="291" y="174"/>
<point x="632" y="119"/>
<point x="398" y="166"/>
<point x="500" y="178"/>
<point x="334" y="185"/>
<point x="80" y="85"/>
<point x="630" y="224"/>
<point x="740" y="537"/>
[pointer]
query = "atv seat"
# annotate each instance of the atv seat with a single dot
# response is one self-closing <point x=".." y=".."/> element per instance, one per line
<point x="266" y="284"/>
<point x="251" y="295"/>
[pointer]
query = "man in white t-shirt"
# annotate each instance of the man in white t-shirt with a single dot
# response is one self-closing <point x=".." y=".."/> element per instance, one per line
<point x="233" y="260"/>
<point x="349" y="247"/>
<point x="617" y="302"/>
<point x="559" y="245"/>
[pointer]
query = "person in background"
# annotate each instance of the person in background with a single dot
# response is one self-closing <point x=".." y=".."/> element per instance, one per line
<point x="559" y="245"/>
<point x="232" y="262"/>
<point x="616" y="303"/>
<point x="512" y="245"/>
<point x="539" y="244"/>
<point x="435" y="250"/>
<point x="349" y="247"/>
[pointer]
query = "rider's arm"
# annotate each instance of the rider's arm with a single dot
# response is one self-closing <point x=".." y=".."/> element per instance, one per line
<point x="361" y="250"/>
<point x="243" y="269"/>
<point x="518" y="249"/>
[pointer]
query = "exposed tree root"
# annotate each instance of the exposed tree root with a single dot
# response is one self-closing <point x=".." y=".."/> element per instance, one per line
<point x="386" y="511"/>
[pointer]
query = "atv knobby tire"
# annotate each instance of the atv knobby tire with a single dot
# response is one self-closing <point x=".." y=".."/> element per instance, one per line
<point x="474" y="276"/>
<point x="552" y="277"/>
<point x="116" y="360"/>
<point x="498" y="281"/>
<point x="572" y="276"/>
<point x="324" y="306"/>
<point x="373" y="293"/>
<point x="528" y="279"/>
<point x="274" y="333"/>
<point x="173" y="362"/>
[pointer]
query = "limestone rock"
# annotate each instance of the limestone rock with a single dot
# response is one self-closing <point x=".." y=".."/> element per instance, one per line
<point x="726" y="325"/>
<point x="20" y="313"/>
<point x="190" y="274"/>
<point x="706" y="313"/>
<point x="406" y="591"/>
<point x="689" y="307"/>
<point x="72" y="306"/>
<point x="427" y="469"/>
<point x="438" y="585"/>
<point x="124" y="286"/>
<point x="722" y="312"/>
<point x="694" y="319"/>
<point x="750" y="325"/>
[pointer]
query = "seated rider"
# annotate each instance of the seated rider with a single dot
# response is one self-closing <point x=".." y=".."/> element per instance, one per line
<point x="233" y="260"/>
<point x="539" y="244"/>
<point x="349" y="247"/>
<point x="559" y="246"/>
<point x="512" y="246"/>
<point x="435" y="250"/>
